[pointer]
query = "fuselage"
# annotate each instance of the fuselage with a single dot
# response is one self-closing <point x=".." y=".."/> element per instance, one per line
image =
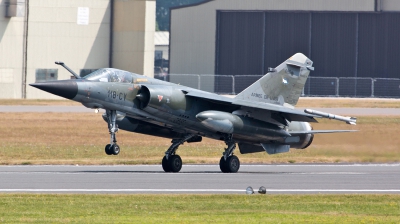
<point x="160" y="108"/>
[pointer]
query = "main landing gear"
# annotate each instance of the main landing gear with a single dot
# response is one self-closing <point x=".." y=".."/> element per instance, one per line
<point x="229" y="163"/>
<point x="172" y="162"/>
<point x="112" y="148"/>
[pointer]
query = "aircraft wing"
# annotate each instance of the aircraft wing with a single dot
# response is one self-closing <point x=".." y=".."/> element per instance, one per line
<point x="288" y="113"/>
<point x="319" y="132"/>
<point x="215" y="98"/>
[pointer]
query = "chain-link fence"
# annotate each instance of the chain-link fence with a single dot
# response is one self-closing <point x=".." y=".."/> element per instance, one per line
<point x="315" y="86"/>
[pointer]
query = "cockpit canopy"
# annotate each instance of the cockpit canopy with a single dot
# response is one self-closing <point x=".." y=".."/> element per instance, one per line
<point x="110" y="75"/>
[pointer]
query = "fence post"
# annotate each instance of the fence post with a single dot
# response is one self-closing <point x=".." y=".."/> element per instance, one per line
<point x="337" y="87"/>
<point x="372" y="87"/>
<point x="233" y="84"/>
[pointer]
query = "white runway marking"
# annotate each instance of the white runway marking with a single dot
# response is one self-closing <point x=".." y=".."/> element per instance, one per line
<point x="203" y="190"/>
<point x="121" y="190"/>
<point x="162" y="173"/>
<point x="216" y="165"/>
<point x="325" y="165"/>
<point x="333" y="190"/>
<point x="329" y="173"/>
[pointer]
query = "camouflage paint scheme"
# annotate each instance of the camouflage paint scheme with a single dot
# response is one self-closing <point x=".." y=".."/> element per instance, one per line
<point x="260" y="118"/>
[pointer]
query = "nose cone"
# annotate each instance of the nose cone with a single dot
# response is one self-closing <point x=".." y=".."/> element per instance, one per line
<point x="64" y="88"/>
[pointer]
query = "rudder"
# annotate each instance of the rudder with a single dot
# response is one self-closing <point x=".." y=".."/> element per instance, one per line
<point x="282" y="85"/>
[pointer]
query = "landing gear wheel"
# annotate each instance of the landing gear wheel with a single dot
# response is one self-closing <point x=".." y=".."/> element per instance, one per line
<point x="114" y="149"/>
<point x="233" y="164"/>
<point x="222" y="165"/>
<point x="172" y="164"/>
<point x="229" y="163"/>
<point x="107" y="149"/>
<point x="175" y="163"/>
<point x="165" y="165"/>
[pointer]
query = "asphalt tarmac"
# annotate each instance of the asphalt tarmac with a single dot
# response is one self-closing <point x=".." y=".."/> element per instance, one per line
<point x="282" y="179"/>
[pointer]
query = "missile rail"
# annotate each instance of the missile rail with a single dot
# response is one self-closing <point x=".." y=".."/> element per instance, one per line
<point x="348" y="120"/>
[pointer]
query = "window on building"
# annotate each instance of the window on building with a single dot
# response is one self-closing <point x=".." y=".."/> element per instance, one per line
<point x="158" y="55"/>
<point x="44" y="75"/>
<point x="85" y="72"/>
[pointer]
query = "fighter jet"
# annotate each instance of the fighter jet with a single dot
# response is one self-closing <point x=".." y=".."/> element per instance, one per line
<point x="261" y="118"/>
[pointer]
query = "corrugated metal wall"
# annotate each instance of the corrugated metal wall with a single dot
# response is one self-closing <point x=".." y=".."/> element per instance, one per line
<point x="242" y="41"/>
<point x="333" y="44"/>
<point x="193" y="28"/>
<point x="285" y="35"/>
<point x="340" y="44"/>
<point x="379" y="45"/>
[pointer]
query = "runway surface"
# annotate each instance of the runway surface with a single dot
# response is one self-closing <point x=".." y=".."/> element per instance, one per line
<point x="43" y="109"/>
<point x="82" y="109"/>
<point x="282" y="179"/>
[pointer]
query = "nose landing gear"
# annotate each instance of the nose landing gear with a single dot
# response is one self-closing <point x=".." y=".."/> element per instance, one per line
<point x="112" y="148"/>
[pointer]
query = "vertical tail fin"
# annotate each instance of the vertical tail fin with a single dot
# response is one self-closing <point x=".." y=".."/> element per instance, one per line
<point x="283" y="84"/>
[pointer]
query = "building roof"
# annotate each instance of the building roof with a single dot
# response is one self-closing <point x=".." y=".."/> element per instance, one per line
<point x="161" y="38"/>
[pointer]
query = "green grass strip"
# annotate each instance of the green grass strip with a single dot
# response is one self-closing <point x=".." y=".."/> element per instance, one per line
<point x="75" y="208"/>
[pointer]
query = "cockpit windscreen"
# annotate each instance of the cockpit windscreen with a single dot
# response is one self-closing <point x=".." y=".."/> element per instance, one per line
<point x="110" y="75"/>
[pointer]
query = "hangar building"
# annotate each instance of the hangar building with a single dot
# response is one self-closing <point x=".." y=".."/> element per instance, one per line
<point x="356" y="41"/>
<point x="85" y="34"/>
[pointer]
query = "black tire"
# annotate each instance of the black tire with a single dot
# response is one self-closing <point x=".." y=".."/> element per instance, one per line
<point x="233" y="164"/>
<point x="175" y="163"/>
<point x="115" y="149"/>
<point x="107" y="149"/>
<point x="222" y="165"/>
<point x="165" y="165"/>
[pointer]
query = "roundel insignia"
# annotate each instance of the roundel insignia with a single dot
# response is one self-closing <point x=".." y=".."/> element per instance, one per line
<point x="160" y="98"/>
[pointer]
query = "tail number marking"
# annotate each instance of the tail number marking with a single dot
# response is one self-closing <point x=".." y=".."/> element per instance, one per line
<point x="116" y="95"/>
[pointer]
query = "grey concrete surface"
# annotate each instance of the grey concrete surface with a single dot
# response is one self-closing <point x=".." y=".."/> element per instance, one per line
<point x="286" y="179"/>
<point x="282" y="179"/>
<point x="43" y="109"/>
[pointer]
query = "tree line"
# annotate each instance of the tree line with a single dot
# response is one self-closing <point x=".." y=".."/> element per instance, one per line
<point x="162" y="11"/>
